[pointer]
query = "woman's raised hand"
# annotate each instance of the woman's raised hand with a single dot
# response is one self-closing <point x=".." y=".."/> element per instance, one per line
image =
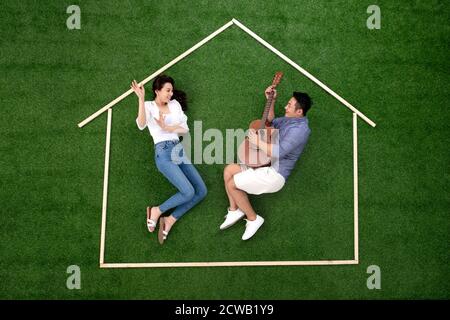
<point x="138" y="89"/>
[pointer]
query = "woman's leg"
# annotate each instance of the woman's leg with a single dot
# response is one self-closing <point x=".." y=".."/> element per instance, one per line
<point x="175" y="175"/>
<point x="189" y="174"/>
<point x="199" y="186"/>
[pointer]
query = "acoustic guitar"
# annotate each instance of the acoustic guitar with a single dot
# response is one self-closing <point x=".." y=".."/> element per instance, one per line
<point x="248" y="153"/>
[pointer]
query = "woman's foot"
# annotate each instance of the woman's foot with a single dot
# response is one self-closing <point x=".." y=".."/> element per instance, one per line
<point x="165" y="224"/>
<point x="153" y="215"/>
<point x="162" y="233"/>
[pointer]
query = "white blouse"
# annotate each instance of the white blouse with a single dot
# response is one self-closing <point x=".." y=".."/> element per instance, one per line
<point x="176" y="117"/>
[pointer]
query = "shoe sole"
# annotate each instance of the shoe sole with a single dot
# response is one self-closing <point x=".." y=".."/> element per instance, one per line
<point x="162" y="225"/>
<point x="232" y="224"/>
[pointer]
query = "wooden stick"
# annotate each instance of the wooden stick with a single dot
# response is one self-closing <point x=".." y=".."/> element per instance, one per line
<point x="105" y="187"/>
<point x="153" y="75"/>
<point x="355" y="184"/>
<point x="306" y="73"/>
<point x="228" y="264"/>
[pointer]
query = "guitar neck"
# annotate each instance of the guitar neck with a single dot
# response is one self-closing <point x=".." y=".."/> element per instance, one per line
<point x="266" y="110"/>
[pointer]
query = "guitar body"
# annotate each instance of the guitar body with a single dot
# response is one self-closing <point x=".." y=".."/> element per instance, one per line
<point x="249" y="154"/>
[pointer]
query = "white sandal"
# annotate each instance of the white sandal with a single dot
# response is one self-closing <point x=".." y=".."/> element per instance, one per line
<point x="150" y="223"/>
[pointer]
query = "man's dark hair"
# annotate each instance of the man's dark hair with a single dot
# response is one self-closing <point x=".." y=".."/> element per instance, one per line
<point x="303" y="101"/>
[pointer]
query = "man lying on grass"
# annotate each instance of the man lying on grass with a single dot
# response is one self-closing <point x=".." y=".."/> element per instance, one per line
<point x="240" y="180"/>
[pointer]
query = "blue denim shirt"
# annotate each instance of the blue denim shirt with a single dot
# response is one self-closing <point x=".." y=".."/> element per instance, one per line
<point x="293" y="136"/>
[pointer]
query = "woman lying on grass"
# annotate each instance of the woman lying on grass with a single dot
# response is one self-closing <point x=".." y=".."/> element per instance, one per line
<point x="164" y="117"/>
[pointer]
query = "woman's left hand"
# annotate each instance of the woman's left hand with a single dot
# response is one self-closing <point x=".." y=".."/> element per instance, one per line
<point x="161" y="121"/>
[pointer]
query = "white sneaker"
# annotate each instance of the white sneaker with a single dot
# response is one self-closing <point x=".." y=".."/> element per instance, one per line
<point x="252" y="226"/>
<point x="231" y="218"/>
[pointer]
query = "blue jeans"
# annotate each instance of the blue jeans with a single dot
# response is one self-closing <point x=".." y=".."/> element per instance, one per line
<point x="182" y="174"/>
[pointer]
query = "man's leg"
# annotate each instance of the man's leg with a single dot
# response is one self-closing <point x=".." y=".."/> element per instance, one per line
<point x="241" y="199"/>
<point x="228" y="173"/>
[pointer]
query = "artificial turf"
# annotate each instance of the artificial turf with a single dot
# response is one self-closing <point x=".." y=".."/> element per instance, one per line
<point x="52" y="171"/>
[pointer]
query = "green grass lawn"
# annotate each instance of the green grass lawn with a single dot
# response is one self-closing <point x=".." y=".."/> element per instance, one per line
<point x="51" y="177"/>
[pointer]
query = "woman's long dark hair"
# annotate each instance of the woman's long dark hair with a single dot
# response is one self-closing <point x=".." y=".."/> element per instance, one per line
<point x="179" y="95"/>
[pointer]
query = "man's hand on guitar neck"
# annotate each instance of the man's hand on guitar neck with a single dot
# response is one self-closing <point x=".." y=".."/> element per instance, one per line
<point x="268" y="91"/>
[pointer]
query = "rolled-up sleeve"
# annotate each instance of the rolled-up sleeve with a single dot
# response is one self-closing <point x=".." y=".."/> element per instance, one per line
<point x="275" y="122"/>
<point x="147" y="116"/>
<point x="140" y="128"/>
<point x="183" y="121"/>
<point x="181" y="117"/>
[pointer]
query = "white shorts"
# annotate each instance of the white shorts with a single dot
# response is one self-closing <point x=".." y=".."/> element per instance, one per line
<point x="259" y="180"/>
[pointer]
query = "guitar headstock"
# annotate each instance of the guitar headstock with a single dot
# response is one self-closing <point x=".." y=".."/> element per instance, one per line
<point x="277" y="78"/>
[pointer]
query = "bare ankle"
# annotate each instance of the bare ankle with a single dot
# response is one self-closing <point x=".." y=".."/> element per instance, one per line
<point x="170" y="221"/>
<point x="155" y="213"/>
